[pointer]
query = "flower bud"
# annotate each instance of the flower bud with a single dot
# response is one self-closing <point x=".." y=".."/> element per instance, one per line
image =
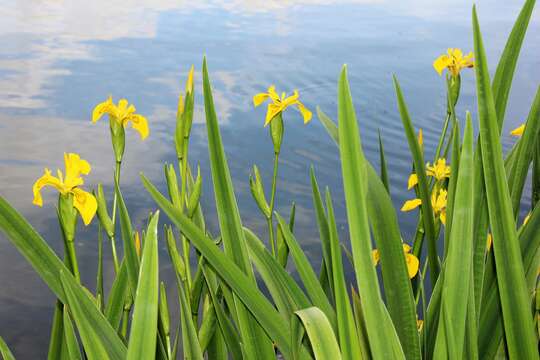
<point x="172" y="185"/>
<point x="118" y="138"/>
<point x="276" y="132"/>
<point x="454" y="87"/>
<point x="67" y="215"/>
<point x="257" y="190"/>
<point x="195" y="195"/>
<point x="102" y="212"/>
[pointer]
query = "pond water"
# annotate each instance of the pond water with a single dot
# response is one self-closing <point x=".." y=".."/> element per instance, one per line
<point x="58" y="59"/>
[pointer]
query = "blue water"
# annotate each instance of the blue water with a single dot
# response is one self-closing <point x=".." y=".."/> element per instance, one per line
<point x="59" y="59"/>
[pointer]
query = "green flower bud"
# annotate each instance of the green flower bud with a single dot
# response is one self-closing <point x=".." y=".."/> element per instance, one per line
<point x="67" y="215"/>
<point x="276" y="132"/>
<point x="118" y="138"/>
<point x="257" y="190"/>
<point x="172" y="185"/>
<point x="103" y="213"/>
<point x="195" y="195"/>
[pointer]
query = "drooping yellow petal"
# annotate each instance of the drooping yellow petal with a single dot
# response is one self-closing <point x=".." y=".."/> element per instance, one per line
<point x="518" y="131"/>
<point x="441" y="63"/>
<point x="411" y="204"/>
<point x="85" y="203"/>
<point x="412" y="265"/>
<point x="46" y="180"/>
<point x="306" y="114"/>
<point x="273" y="110"/>
<point x="106" y="107"/>
<point x="375" y="256"/>
<point x="260" y="98"/>
<point x="413" y="180"/>
<point x="139" y="123"/>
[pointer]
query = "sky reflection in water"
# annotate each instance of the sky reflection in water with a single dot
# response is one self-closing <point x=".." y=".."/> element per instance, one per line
<point x="58" y="59"/>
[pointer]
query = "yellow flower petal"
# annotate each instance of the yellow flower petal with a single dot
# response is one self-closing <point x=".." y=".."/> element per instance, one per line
<point x="273" y="94"/>
<point x="46" y="180"/>
<point x="306" y="114"/>
<point x="106" y="107"/>
<point x="291" y="100"/>
<point x="441" y="63"/>
<point x="139" y="123"/>
<point x="411" y="204"/>
<point x="260" y="98"/>
<point x="489" y="241"/>
<point x="273" y="110"/>
<point x="412" y="265"/>
<point x="75" y="166"/>
<point x="518" y="131"/>
<point x="442" y="216"/>
<point x="439" y="170"/>
<point x="419" y="324"/>
<point x="406" y="248"/>
<point x="413" y="180"/>
<point x="85" y="203"/>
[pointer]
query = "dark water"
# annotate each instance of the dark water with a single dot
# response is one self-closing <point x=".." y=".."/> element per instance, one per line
<point x="58" y="59"/>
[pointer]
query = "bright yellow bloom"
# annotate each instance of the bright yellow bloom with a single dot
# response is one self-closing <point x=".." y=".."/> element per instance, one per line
<point x="518" y="131"/>
<point x="412" y="261"/>
<point x="438" y="203"/>
<point x="454" y="61"/>
<point x="279" y="104"/>
<point x="439" y="170"/>
<point x="123" y="113"/>
<point x="83" y="201"/>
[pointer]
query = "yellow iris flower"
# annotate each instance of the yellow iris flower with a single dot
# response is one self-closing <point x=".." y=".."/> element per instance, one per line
<point x="518" y="131"/>
<point x="279" y="104"/>
<point x="413" y="178"/>
<point x="123" y="113"/>
<point x="412" y="261"/>
<point x="438" y="202"/>
<point x="454" y="61"/>
<point x="83" y="201"/>
<point x="439" y="170"/>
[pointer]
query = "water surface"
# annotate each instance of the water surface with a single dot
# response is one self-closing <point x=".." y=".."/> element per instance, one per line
<point x="58" y="59"/>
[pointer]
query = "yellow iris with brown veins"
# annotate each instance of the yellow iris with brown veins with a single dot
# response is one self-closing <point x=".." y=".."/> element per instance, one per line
<point x="123" y="113"/>
<point x="83" y="201"/>
<point x="279" y="104"/>
<point x="454" y="61"/>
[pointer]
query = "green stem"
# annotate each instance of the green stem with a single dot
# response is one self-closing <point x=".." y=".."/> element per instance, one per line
<point x="72" y="256"/>
<point x="113" y="241"/>
<point x="272" y="202"/>
<point x="183" y="162"/>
